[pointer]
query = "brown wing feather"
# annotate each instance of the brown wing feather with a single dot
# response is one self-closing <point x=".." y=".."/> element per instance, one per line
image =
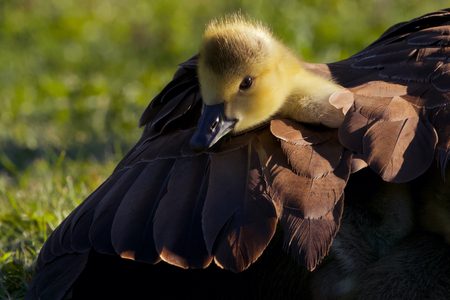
<point x="153" y="206"/>
<point x="320" y="150"/>
<point x="408" y="149"/>
<point x="239" y="219"/>
<point x="311" y="238"/>
<point x="57" y="278"/>
<point x="306" y="204"/>
<point x="100" y="229"/>
<point x="72" y="234"/>
<point x="184" y="74"/>
<point x="99" y="210"/>
<point x="132" y="228"/>
<point x="178" y="219"/>
<point x="401" y="86"/>
<point x="313" y="196"/>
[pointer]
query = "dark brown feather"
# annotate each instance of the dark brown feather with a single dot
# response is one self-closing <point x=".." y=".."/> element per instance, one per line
<point x="352" y="130"/>
<point x="384" y="109"/>
<point x="439" y="36"/>
<point x="171" y="145"/>
<point x="100" y="229"/>
<point x="383" y="59"/>
<point x="404" y="153"/>
<point x="132" y="228"/>
<point x="82" y="221"/>
<point x="62" y="239"/>
<point x="182" y="98"/>
<point x="232" y="143"/>
<point x="310" y="197"/>
<point x="179" y="239"/>
<point x="303" y="201"/>
<point x="297" y="133"/>
<point x="311" y="238"/>
<point x="319" y="152"/>
<point x="239" y="219"/>
<point x="402" y="78"/>
<point x="57" y="277"/>
<point x="158" y="103"/>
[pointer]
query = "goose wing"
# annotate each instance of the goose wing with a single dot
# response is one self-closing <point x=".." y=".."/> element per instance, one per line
<point x="400" y="117"/>
<point x="163" y="201"/>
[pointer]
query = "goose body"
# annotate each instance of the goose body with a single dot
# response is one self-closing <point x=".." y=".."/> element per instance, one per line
<point x="247" y="136"/>
<point x="382" y="251"/>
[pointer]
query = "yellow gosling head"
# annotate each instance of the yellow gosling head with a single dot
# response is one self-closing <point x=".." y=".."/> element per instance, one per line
<point x="240" y="64"/>
<point x="247" y="76"/>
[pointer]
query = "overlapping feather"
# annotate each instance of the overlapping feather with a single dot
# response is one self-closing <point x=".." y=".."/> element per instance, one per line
<point x="399" y="121"/>
<point x="165" y="202"/>
<point x="307" y="170"/>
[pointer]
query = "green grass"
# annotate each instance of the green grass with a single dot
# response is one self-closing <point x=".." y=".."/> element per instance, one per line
<point x="75" y="75"/>
<point x="33" y="203"/>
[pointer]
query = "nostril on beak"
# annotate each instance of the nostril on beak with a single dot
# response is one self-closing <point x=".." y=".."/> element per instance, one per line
<point x="214" y="125"/>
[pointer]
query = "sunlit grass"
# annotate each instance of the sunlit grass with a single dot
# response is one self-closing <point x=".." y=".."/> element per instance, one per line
<point x="32" y="204"/>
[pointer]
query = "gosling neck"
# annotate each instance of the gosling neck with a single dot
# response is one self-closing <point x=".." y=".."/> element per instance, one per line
<point x="308" y="100"/>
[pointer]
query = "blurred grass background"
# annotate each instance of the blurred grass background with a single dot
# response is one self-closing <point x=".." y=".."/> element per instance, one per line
<point x="75" y="75"/>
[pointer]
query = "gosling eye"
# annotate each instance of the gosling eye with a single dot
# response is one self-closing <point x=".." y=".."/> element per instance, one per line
<point x="246" y="83"/>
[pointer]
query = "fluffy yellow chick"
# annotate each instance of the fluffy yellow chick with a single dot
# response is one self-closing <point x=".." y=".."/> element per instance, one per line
<point x="248" y="76"/>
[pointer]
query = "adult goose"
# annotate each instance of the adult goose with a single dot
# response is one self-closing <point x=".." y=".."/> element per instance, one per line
<point x="246" y="136"/>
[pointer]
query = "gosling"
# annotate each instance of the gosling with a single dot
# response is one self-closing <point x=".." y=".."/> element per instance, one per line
<point x="247" y="76"/>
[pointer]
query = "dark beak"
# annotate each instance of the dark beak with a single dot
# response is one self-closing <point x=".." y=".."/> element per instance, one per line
<point x="212" y="126"/>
